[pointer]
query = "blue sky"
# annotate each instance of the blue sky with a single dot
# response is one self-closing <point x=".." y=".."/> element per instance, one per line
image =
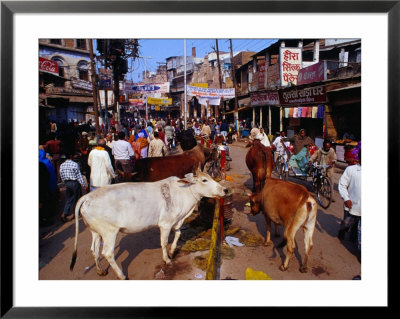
<point x="160" y="49"/>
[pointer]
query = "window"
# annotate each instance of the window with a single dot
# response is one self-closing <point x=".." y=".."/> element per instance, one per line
<point x="61" y="71"/>
<point x="81" y="44"/>
<point x="83" y="70"/>
<point x="55" y="41"/>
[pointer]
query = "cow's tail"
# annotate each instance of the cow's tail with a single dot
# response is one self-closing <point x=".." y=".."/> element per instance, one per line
<point x="75" y="253"/>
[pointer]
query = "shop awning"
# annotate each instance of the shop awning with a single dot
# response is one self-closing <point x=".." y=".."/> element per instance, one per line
<point x="239" y="109"/>
<point x="358" y="85"/>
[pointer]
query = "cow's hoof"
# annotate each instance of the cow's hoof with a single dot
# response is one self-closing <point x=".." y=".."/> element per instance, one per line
<point x="282" y="268"/>
<point x="102" y="272"/>
<point x="304" y="269"/>
<point x="168" y="262"/>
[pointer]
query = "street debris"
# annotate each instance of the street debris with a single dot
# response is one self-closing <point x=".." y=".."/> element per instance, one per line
<point x="160" y="275"/>
<point x="233" y="241"/>
<point x="252" y="274"/>
<point x="250" y="240"/>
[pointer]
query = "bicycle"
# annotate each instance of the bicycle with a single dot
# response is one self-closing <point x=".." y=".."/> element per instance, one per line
<point x="281" y="167"/>
<point x="214" y="166"/>
<point x="322" y="184"/>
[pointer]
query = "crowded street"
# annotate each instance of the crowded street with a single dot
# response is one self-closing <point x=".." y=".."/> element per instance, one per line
<point x="215" y="165"/>
<point x="140" y="254"/>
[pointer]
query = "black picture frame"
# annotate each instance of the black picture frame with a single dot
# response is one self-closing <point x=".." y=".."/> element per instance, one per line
<point x="9" y="8"/>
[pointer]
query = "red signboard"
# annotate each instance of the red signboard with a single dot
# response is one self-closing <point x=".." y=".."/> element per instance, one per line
<point x="312" y="73"/>
<point x="267" y="98"/>
<point x="48" y="66"/>
<point x="316" y="94"/>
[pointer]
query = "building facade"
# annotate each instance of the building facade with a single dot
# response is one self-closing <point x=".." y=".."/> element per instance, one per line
<point x="66" y="94"/>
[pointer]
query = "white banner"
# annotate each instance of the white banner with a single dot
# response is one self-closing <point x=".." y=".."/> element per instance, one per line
<point x="290" y="64"/>
<point x="210" y="93"/>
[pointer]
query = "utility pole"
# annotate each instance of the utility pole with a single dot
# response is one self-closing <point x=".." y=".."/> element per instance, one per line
<point x="184" y="62"/>
<point x="95" y="104"/>
<point x="145" y="81"/>
<point x="234" y="85"/>
<point x="219" y="73"/>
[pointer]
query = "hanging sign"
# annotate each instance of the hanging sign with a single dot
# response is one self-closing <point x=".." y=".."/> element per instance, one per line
<point x="316" y="94"/>
<point x="313" y="73"/>
<point x="210" y="93"/>
<point x="162" y="101"/>
<point x="48" y="66"/>
<point x="290" y="65"/>
<point x="267" y="98"/>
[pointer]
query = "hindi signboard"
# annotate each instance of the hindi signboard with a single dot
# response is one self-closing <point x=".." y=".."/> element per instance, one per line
<point x="316" y="94"/>
<point x="312" y="73"/>
<point x="210" y="93"/>
<point x="81" y="84"/>
<point x="290" y="65"/>
<point x="266" y="98"/>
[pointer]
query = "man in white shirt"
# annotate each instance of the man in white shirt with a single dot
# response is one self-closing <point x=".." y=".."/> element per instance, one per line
<point x="101" y="171"/>
<point x="350" y="190"/>
<point x="123" y="153"/>
<point x="280" y="149"/>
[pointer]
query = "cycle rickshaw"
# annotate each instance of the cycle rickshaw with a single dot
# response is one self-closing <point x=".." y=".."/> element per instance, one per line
<point x="321" y="184"/>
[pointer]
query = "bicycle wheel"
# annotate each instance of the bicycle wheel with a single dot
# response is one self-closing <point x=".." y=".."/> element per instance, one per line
<point x="324" y="192"/>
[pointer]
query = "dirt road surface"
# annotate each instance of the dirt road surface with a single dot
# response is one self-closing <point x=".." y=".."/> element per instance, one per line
<point x="140" y="258"/>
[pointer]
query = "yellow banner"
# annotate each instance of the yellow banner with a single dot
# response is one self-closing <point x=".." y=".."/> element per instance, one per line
<point x="160" y="101"/>
<point x="200" y="85"/>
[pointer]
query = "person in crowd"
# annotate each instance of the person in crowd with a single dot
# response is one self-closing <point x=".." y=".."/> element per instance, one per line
<point x="123" y="153"/>
<point x="205" y="130"/>
<point x="101" y="170"/>
<point x="300" y="157"/>
<point x="144" y="145"/>
<point x="350" y="191"/>
<point x="54" y="147"/>
<point x="223" y="126"/>
<point x="161" y="134"/>
<point x="109" y="140"/>
<point x="157" y="147"/>
<point x="197" y="129"/>
<point x="212" y="129"/>
<point x="169" y="134"/>
<point x="72" y="178"/>
<point x="48" y="190"/>
<point x="325" y="156"/>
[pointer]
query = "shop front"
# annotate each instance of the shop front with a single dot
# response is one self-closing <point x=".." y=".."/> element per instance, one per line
<point x="304" y="108"/>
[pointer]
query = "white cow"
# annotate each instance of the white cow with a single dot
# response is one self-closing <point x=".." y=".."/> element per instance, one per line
<point x="134" y="207"/>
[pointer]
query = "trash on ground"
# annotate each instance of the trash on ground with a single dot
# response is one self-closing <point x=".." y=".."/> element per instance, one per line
<point x="199" y="276"/>
<point x="227" y="252"/>
<point x="231" y="231"/>
<point x="233" y="241"/>
<point x="198" y="244"/>
<point x="201" y="261"/>
<point x="229" y="178"/>
<point x="160" y="275"/>
<point x="252" y="274"/>
<point x="250" y="240"/>
<point x="87" y="268"/>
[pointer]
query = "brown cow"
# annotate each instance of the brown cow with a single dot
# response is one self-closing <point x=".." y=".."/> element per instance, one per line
<point x="259" y="161"/>
<point x="290" y="205"/>
<point x="153" y="169"/>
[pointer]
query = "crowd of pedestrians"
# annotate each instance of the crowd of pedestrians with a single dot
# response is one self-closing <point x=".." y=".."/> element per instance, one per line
<point x="72" y="156"/>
